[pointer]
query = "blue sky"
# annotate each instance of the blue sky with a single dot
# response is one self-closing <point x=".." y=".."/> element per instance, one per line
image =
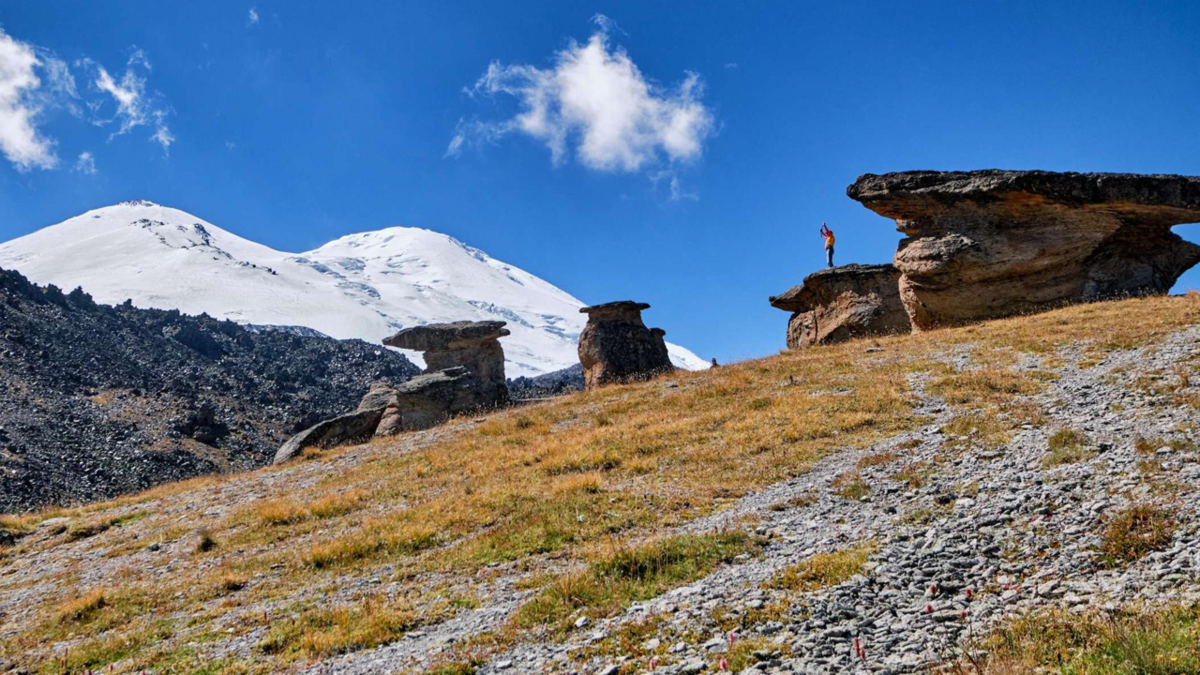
<point x="292" y="123"/>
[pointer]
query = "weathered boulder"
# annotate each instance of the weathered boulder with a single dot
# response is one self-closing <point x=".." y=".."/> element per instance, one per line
<point x="473" y="345"/>
<point x="839" y="303"/>
<point x="356" y="426"/>
<point x="984" y="244"/>
<point x="426" y="401"/>
<point x="615" y="346"/>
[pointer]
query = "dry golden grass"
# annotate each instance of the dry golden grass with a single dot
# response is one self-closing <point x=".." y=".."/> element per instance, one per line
<point x="822" y="570"/>
<point x="1131" y="533"/>
<point x="1066" y="447"/>
<point x="1149" y="641"/>
<point x="563" y="479"/>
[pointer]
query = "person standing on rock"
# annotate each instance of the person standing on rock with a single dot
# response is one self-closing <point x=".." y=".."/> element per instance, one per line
<point x="828" y="234"/>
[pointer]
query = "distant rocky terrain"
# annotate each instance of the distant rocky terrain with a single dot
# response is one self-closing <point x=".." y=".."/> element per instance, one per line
<point x="551" y="384"/>
<point x="96" y="401"/>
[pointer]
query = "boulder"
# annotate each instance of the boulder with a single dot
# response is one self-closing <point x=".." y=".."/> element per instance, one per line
<point x="840" y="303"/>
<point x="615" y="346"/>
<point x="426" y="401"/>
<point x="473" y="345"/>
<point x="349" y="428"/>
<point x="985" y="244"/>
<point x="356" y="426"/>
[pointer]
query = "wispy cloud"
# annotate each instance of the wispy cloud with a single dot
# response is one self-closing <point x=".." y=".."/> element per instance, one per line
<point x="22" y="142"/>
<point x="34" y="82"/>
<point x="594" y="104"/>
<point x="253" y="18"/>
<point x="86" y="163"/>
<point x="135" y="107"/>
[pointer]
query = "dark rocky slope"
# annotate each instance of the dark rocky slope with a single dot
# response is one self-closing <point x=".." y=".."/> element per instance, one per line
<point x="97" y="401"/>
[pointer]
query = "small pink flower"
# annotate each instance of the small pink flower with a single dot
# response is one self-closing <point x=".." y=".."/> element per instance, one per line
<point x="723" y="665"/>
<point x="963" y="615"/>
<point x="654" y="663"/>
<point x="929" y="609"/>
<point x="933" y="589"/>
<point x="969" y="593"/>
<point x="732" y="637"/>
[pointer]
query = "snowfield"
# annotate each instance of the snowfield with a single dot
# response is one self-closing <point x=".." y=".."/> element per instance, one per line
<point x="365" y="286"/>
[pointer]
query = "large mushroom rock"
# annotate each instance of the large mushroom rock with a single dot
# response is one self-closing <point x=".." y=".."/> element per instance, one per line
<point x="840" y="303"/>
<point x="351" y="427"/>
<point x="473" y="345"/>
<point x="426" y="401"/>
<point x="984" y="244"/>
<point x="615" y="346"/>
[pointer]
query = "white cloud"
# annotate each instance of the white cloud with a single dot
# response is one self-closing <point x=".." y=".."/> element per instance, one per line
<point x="20" y="140"/>
<point x="253" y="17"/>
<point x="34" y="82"/>
<point x="137" y="57"/>
<point x="86" y="163"/>
<point x="135" y="107"/>
<point x="595" y="104"/>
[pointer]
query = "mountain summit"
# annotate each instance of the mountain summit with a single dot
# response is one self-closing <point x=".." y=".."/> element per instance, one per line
<point x="365" y="286"/>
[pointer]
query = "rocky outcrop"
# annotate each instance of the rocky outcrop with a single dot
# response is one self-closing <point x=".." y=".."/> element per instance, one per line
<point x="615" y="346"/>
<point x="984" y="244"/>
<point x="472" y="345"/>
<point x="464" y="372"/>
<point x="427" y="400"/>
<point x="836" y="304"/>
<point x="355" y="426"/>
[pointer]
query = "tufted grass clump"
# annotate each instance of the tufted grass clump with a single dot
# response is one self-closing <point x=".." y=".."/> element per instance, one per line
<point x="321" y="632"/>
<point x="1161" y="641"/>
<point x="1067" y="446"/>
<point x="1131" y="533"/>
<point x="83" y="608"/>
<point x="822" y="570"/>
<point x="629" y="574"/>
<point x="851" y="486"/>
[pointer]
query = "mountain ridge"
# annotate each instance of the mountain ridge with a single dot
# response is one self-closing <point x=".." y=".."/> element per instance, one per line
<point x="364" y="285"/>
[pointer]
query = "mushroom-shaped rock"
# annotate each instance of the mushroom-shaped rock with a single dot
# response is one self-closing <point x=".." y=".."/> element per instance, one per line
<point x="473" y="345"/>
<point x="984" y="244"/>
<point x="615" y="346"/>
<point x="839" y="303"/>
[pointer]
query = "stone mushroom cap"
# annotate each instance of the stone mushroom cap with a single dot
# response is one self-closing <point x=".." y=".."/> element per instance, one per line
<point x="811" y="292"/>
<point x="435" y="336"/>
<point x="1163" y="199"/>
<point x="614" y="309"/>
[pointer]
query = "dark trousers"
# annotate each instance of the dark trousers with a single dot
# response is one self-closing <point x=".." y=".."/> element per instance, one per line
<point x="829" y="255"/>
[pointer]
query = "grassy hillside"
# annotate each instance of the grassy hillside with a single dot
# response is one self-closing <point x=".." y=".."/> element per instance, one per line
<point x="572" y="508"/>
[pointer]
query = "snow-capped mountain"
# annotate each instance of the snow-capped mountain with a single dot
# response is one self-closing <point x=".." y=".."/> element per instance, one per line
<point x="364" y="286"/>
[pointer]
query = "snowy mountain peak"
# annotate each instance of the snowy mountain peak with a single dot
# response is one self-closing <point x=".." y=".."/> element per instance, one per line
<point x="366" y="285"/>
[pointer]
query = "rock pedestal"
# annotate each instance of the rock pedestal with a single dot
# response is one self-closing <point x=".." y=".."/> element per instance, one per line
<point x="472" y="345"/>
<point x="840" y="303"/>
<point x="986" y="244"/>
<point x="464" y="372"/>
<point x="615" y="346"/>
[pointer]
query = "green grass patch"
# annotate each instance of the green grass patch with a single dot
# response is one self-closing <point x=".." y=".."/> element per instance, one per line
<point x="627" y="575"/>
<point x="822" y="570"/>
<point x="1132" y="640"/>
